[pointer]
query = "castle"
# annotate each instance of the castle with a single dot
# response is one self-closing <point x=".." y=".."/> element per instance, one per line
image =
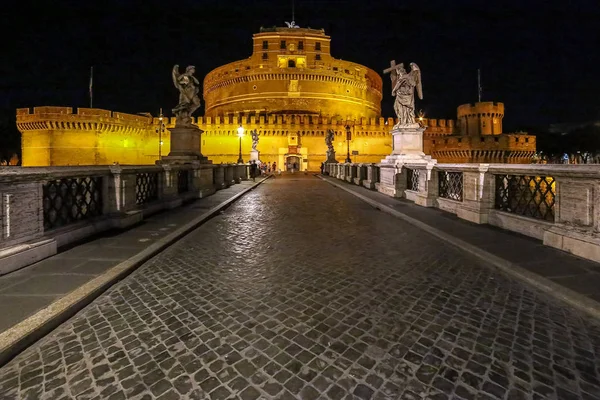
<point x="292" y="91"/>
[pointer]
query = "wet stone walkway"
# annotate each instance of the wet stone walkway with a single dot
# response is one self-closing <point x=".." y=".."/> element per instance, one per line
<point x="301" y="291"/>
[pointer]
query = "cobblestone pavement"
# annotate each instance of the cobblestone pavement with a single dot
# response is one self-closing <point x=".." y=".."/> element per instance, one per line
<point x="300" y="290"/>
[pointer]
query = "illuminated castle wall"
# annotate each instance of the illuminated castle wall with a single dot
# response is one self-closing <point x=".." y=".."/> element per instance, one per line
<point x="479" y="138"/>
<point x="57" y="136"/>
<point x="291" y="90"/>
<point x="291" y="71"/>
<point x="63" y="136"/>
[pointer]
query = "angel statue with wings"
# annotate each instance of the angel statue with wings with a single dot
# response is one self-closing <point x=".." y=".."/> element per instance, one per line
<point x="403" y="88"/>
<point x="255" y="139"/>
<point x="329" y="138"/>
<point x="329" y="141"/>
<point x="188" y="87"/>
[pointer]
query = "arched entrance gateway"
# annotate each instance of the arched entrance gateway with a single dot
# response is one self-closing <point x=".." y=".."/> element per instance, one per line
<point x="293" y="162"/>
<point x="293" y="154"/>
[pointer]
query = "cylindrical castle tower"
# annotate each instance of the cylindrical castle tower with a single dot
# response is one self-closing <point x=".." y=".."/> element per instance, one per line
<point x="291" y="70"/>
<point x="479" y="119"/>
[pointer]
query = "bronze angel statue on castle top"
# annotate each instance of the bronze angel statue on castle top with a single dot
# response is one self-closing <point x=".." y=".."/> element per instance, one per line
<point x="403" y="88"/>
<point x="188" y="87"/>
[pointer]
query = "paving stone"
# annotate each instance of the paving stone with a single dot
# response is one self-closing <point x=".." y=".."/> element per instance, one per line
<point x="265" y="301"/>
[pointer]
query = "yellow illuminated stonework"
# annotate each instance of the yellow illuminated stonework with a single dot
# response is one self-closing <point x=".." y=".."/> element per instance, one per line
<point x="292" y="91"/>
<point x="298" y="61"/>
<point x="58" y="136"/>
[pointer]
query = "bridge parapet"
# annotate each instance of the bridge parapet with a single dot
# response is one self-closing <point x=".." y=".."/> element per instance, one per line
<point x="42" y="209"/>
<point x="557" y="204"/>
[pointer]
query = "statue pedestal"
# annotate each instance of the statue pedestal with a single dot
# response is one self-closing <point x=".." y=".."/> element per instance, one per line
<point x="408" y="150"/>
<point x="408" y="146"/>
<point x="185" y="146"/>
<point x="331" y="157"/>
<point x="254" y="155"/>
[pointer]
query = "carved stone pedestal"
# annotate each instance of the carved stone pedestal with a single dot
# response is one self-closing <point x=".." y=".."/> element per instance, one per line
<point x="408" y="150"/>
<point x="254" y="155"/>
<point x="331" y="157"/>
<point x="185" y="146"/>
<point x="408" y="145"/>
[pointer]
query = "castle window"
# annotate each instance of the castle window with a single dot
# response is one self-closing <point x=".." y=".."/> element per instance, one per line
<point x="318" y="57"/>
<point x="459" y="140"/>
<point x="526" y="140"/>
<point x="282" y="45"/>
<point x="517" y="139"/>
<point x="495" y="139"/>
<point x="301" y="45"/>
<point x="482" y="139"/>
<point x="265" y="56"/>
<point x="265" y="45"/>
<point x="291" y="64"/>
<point x="433" y="141"/>
<point x="335" y="68"/>
<point x="318" y="46"/>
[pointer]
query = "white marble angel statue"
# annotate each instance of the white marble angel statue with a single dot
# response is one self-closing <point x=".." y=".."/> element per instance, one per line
<point x="188" y="87"/>
<point x="404" y="91"/>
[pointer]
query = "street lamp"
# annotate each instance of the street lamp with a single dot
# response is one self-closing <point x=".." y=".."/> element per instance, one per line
<point x="160" y="130"/>
<point x="348" y="138"/>
<point x="240" y="131"/>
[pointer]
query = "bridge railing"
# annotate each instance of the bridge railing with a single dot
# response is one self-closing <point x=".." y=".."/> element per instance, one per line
<point x="45" y="208"/>
<point x="559" y="204"/>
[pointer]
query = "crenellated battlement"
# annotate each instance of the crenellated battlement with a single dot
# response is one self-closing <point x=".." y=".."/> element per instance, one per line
<point x="63" y="118"/>
<point x="504" y="142"/>
<point x="93" y="119"/>
<point x="482" y="108"/>
<point x="303" y="119"/>
<point x="483" y="118"/>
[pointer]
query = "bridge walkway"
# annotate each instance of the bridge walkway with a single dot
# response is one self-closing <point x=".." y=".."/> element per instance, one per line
<point x="302" y="290"/>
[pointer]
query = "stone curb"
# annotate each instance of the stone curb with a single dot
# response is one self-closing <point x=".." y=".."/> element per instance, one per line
<point x="17" y="338"/>
<point x="553" y="289"/>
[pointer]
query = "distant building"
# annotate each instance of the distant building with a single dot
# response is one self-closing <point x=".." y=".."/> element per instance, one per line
<point x="291" y="90"/>
<point x="479" y="138"/>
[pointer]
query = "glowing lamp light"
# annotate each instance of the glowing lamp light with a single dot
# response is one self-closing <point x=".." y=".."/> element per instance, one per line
<point x="240" y="131"/>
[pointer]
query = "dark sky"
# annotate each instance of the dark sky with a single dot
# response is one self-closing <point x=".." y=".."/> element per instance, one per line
<point x="540" y="58"/>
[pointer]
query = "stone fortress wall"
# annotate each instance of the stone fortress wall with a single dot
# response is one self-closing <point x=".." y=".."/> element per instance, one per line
<point x="479" y="138"/>
<point x="292" y="71"/>
<point x="292" y="91"/>
<point x="483" y="118"/>
<point x="52" y="136"/>
<point x="58" y="136"/>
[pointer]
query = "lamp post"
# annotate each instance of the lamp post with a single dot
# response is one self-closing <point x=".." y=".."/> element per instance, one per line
<point x="160" y="130"/>
<point x="348" y="138"/>
<point x="240" y="131"/>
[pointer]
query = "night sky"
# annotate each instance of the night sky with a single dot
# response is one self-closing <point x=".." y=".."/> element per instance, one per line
<point x="540" y="58"/>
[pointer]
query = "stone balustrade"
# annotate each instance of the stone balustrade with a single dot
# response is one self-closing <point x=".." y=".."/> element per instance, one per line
<point x="558" y="204"/>
<point x="42" y="209"/>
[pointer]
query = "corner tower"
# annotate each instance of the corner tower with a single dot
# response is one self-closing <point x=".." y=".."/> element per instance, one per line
<point x="480" y="119"/>
<point x="291" y="71"/>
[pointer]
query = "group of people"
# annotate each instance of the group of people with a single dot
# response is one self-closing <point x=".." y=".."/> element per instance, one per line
<point x="258" y="168"/>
